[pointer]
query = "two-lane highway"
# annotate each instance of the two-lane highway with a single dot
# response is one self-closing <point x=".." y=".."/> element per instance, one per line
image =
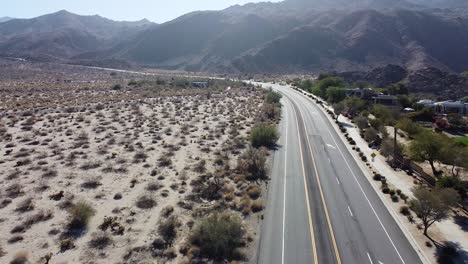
<point x="321" y="208"/>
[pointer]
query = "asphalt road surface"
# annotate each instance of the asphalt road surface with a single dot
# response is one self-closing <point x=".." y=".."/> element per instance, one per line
<point x="321" y="208"/>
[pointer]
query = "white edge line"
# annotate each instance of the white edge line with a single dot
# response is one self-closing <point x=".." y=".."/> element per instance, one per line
<point x="367" y="199"/>
<point x="407" y="234"/>
<point x="365" y="195"/>
<point x="370" y="259"/>
<point x="338" y="181"/>
<point x="350" y="212"/>
<point x="284" y="188"/>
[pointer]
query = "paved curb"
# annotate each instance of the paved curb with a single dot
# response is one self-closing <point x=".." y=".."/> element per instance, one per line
<point x="368" y="175"/>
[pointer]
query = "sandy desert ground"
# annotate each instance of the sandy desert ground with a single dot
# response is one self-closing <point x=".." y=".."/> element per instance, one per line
<point x="143" y="163"/>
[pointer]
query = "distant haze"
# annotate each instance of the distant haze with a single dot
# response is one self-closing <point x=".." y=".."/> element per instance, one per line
<point x="123" y="10"/>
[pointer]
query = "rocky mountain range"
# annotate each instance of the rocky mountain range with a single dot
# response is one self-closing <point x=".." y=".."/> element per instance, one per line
<point x="62" y="35"/>
<point x="290" y="36"/>
<point x="5" y="19"/>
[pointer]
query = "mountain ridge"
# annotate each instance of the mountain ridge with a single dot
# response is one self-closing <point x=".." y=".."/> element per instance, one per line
<point x="283" y="37"/>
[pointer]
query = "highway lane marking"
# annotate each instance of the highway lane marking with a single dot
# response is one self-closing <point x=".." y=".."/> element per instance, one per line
<point x="284" y="188"/>
<point x="338" y="181"/>
<point x="331" y="146"/>
<point x="350" y="212"/>
<point x="370" y="259"/>
<point x="367" y="199"/>
<point x="335" y="247"/>
<point x="311" y="226"/>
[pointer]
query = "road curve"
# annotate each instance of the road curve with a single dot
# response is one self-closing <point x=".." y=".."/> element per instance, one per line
<point x="321" y="208"/>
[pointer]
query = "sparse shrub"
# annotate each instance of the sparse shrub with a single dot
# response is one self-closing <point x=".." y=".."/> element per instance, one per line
<point x="170" y="253"/>
<point x="153" y="186"/>
<point x="140" y="156"/>
<point x="14" y="190"/>
<point x="66" y="244"/>
<point x="20" y="257"/>
<point x="264" y="135"/>
<point x="25" y="205"/>
<point x="200" y="167"/>
<point x="257" y="206"/>
<point x="165" y="161"/>
<point x="385" y="190"/>
<point x="404" y="197"/>
<point x="245" y="205"/>
<point x="146" y="201"/>
<point x="50" y="174"/>
<point x="117" y="87"/>
<point x="80" y="214"/>
<point x="395" y="198"/>
<point x="40" y="216"/>
<point x="218" y="236"/>
<point x="166" y="211"/>
<point x="404" y="210"/>
<point x="167" y="229"/>
<point x="91" y="183"/>
<point x="253" y="164"/>
<point x="15" y="239"/>
<point x="254" y="191"/>
<point x="100" y="240"/>
<point x="22" y="162"/>
<point x="90" y="165"/>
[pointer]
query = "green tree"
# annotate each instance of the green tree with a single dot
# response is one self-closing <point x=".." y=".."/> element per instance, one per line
<point x="338" y="109"/>
<point x="388" y="147"/>
<point x="455" y="183"/>
<point x="264" y="135"/>
<point x="273" y="97"/>
<point x="405" y="100"/>
<point x="361" y="122"/>
<point x="371" y="135"/>
<point x="323" y="76"/>
<point x="433" y="205"/>
<point x="456" y="155"/>
<point x="335" y="94"/>
<point x="361" y="84"/>
<point x="387" y="115"/>
<point x="410" y="127"/>
<point x="397" y="89"/>
<point x="428" y="146"/>
<point x="218" y="236"/>
<point x="306" y="85"/>
<point x="355" y="105"/>
<point x="322" y="85"/>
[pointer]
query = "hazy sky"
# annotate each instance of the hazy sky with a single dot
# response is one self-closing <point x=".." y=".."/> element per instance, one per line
<point x="154" y="10"/>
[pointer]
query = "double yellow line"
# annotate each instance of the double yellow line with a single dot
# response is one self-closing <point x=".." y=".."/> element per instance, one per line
<point x="314" y="249"/>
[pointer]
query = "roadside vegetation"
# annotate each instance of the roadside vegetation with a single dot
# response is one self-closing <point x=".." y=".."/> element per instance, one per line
<point x="424" y="139"/>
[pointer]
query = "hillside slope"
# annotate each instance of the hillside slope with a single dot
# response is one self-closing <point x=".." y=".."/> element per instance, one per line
<point x="63" y="34"/>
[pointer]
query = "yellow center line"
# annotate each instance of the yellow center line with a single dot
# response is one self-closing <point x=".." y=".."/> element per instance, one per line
<point x="311" y="226"/>
<point x="337" y="253"/>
